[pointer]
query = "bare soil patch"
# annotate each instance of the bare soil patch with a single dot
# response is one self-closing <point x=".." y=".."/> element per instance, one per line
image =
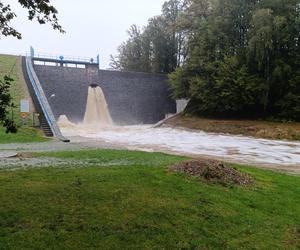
<point x="213" y="171"/>
<point x="253" y="128"/>
<point x="23" y="155"/>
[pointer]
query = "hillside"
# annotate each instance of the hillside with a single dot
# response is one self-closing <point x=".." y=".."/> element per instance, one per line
<point x="11" y="65"/>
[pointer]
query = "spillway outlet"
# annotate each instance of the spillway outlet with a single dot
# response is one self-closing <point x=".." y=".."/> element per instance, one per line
<point x="94" y="86"/>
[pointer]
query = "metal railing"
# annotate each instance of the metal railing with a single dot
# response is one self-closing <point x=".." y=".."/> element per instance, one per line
<point x="66" y="58"/>
<point x="41" y="97"/>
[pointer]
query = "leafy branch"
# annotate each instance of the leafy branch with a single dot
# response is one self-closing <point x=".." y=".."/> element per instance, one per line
<point x="5" y="103"/>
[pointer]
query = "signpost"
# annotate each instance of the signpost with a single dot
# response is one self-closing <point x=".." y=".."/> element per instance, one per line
<point x="24" y="110"/>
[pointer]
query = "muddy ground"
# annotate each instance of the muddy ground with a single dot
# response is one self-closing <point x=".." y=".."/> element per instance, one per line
<point x="253" y="128"/>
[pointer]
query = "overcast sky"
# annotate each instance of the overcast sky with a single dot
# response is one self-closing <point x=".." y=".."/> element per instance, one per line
<point x="93" y="27"/>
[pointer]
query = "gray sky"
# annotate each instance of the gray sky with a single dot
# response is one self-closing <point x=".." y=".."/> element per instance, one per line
<point x="93" y="27"/>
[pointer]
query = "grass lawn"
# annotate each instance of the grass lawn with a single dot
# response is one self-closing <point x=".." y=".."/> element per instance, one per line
<point x="138" y="204"/>
<point x="24" y="135"/>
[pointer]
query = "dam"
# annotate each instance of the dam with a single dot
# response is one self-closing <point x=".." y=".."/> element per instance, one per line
<point x="133" y="98"/>
<point x="59" y="86"/>
<point x="65" y="91"/>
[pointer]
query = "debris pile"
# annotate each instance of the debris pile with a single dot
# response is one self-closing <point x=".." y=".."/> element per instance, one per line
<point x="213" y="171"/>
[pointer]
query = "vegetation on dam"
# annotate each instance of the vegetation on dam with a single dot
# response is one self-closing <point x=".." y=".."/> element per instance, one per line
<point x="135" y="202"/>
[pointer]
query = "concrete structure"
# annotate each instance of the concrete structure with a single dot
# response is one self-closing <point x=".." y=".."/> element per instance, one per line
<point x="133" y="98"/>
<point x="181" y="105"/>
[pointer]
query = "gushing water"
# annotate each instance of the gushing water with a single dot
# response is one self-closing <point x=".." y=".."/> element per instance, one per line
<point x="97" y="114"/>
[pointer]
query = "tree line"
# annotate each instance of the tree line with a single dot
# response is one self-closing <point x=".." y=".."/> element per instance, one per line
<point x="231" y="58"/>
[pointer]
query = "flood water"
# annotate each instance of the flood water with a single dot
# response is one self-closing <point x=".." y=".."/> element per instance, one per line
<point x="242" y="149"/>
<point x="97" y="124"/>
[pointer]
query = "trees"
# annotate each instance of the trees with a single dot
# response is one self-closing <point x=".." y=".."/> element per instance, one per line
<point x="132" y="53"/>
<point x="243" y="58"/>
<point x="237" y="58"/>
<point x="158" y="47"/>
<point x="43" y="12"/>
<point x="40" y="10"/>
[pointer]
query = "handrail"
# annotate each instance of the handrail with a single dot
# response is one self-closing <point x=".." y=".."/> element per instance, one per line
<point x="41" y="97"/>
<point x="86" y="60"/>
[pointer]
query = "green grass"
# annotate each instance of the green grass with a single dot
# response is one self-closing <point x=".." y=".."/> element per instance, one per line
<point x="12" y="65"/>
<point x="24" y="135"/>
<point x="124" y="157"/>
<point x="142" y="205"/>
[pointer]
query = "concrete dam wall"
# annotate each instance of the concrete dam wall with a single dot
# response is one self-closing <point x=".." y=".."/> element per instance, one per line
<point x="132" y="98"/>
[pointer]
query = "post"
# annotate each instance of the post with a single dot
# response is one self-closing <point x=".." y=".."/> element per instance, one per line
<point x="31" y="52"/>
<point x="98" y="61"/>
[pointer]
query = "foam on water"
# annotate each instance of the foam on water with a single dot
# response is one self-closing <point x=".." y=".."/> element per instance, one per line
<point x="98" y="125"/>
<point x="239" y="148"/>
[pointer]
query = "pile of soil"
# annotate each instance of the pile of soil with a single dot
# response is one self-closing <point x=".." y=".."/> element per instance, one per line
<point x="24" y="155"/>
<point x="213" y="171"/>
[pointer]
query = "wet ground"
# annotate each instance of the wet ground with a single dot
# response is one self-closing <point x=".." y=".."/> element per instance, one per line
<point x="7" y="154"/>
<point x="274" y="154"/>
<point x="189" y="142"/>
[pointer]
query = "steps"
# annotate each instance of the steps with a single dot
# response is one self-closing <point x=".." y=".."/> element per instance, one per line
<point x="47" y="119"/>
<point x="45" y="127"/>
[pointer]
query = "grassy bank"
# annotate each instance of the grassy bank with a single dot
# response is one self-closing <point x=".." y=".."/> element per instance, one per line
<point x="139" y="204"/>
<point x="11" y="65"/>
<point x="258" y="129"/>
<point x="24" y="135"/>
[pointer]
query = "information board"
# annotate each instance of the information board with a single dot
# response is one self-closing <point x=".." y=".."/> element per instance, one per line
<point x="24" y="106"/>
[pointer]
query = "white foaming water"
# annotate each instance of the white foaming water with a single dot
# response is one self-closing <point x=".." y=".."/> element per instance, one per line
<point x="96" y="117"/>
<point x="238" y="148"/>
<point x="98" y="125"/>
<point x="63" y="122"/>
<point x="96" y="114"/>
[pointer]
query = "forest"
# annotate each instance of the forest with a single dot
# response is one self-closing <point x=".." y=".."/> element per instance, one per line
<point x="231" y="58"/>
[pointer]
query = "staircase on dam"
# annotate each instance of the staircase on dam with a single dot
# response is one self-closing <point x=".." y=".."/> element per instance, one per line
<point x="47" y="119"/>
<point x="42" y="121"/>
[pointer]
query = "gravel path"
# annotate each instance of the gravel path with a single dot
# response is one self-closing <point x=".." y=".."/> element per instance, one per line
<point x="77" y="143"/>
<point x="7" y="154"/>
